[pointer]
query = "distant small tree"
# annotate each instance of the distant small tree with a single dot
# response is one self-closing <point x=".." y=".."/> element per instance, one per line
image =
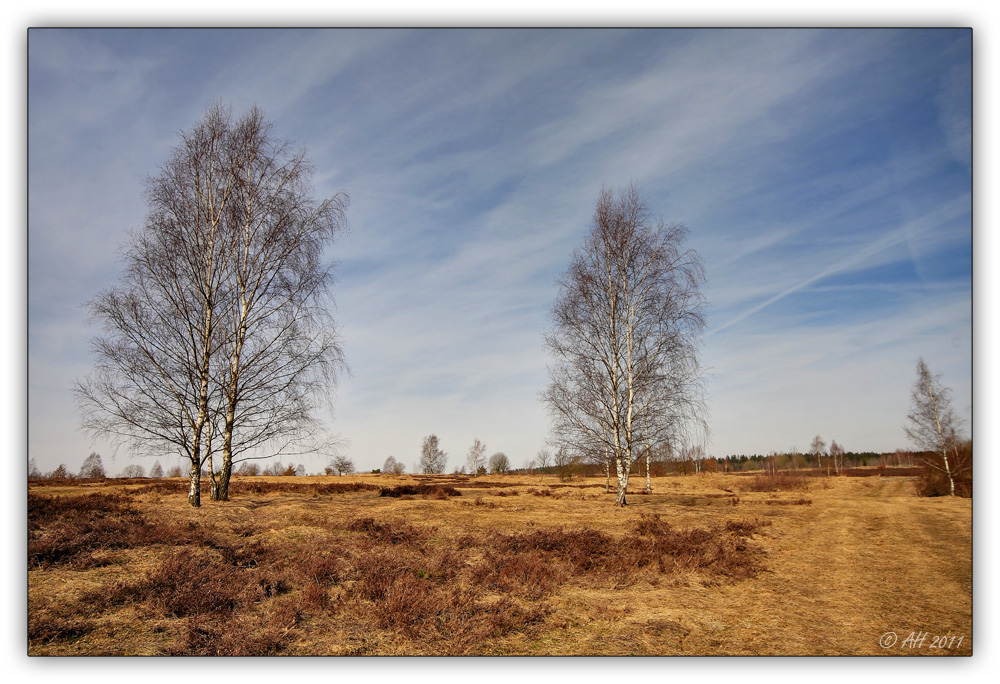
<point x="300" y="470"/>
<point x="432" y="458"/>
<point x="340" y="465"/>
<point x="543" y="458"/>
<point x="837" y="456"/>
<point x="33" y="472"/>
<point x="175" y="471"/>
<point x="133" y="470"/>
<point x="477" y="454"/>
<point x="565" y="463"/>
<point x="817" y="449"/>
<point x="289" y="471"/>
<point x="60" y="473"/>
<point x="393" y="467"/>
<point x="499" y="463"/>
<point x="248" y="469"/>
<point x="92" y="467"/>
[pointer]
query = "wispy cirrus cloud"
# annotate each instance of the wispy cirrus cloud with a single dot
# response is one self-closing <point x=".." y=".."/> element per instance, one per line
<point x="822" y="174"/>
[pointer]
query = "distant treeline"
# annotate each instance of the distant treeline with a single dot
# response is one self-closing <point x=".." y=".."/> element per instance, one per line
<point x="738" y="463"/>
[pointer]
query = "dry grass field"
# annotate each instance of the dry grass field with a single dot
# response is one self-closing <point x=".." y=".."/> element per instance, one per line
<point x="712" y="564"/>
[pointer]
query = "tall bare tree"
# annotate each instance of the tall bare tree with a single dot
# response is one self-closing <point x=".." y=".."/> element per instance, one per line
<point x="627" y="324"/>
<point x="933" y="424"/>
<point x="432" y="459"/>
<point x="218" y="330"/>
<point x="476" y="456"/>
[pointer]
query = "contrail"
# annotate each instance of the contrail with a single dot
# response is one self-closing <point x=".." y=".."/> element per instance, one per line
<point x="953" y="209"/>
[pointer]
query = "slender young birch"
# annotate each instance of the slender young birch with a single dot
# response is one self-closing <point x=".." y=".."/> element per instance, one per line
<point x="933" y="424"/>
<point x="476" y="457"/>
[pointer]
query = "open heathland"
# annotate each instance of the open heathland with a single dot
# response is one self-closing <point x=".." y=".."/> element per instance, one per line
<point x="709" y="564"/>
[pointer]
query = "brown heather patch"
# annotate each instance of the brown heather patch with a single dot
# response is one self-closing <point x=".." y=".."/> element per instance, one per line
<point x="775" y="482"/>
<point x="434" y="491"/>
<point x="682" y="570"/>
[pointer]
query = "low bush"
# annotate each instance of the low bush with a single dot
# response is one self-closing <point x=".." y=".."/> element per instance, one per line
<point x="68" y="529"/>
<point x="935" y="483"/>
<point x="244" y="635"/>
<point x="182" y="584"/>
<point x="44" y="629"/>
<point x="387" y="532"/>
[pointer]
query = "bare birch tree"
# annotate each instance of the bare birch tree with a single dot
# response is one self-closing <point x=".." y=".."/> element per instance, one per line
<point x="476" y="456"/>
<point x="818" y="449"/>
<point x="626" y="329"/>
<point x="933" y="424"/>
<point x="432" y="459"/>
<point x="837" y="456"/>
<point x="219" y="329"/>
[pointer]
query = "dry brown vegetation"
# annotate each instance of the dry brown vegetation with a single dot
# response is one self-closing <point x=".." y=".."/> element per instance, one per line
<point x="380" y="565"/>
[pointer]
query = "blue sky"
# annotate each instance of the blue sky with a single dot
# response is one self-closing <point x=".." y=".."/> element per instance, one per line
<point x="825" y="177"/>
